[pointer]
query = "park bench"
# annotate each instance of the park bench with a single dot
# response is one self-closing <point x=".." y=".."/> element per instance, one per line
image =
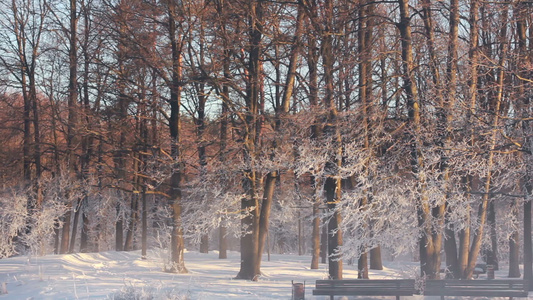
<point x="483" y="288"/>
<point x="365" y="287"/>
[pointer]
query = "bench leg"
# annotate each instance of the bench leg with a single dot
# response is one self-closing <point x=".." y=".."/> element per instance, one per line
<point x="397" y="297"/>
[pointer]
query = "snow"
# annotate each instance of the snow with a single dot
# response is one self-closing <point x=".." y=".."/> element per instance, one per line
<point x="124" y="275"/>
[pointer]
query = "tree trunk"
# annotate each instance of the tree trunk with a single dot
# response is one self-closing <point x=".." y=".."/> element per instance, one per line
<point x="250" y="204"/>
<point x="362" y="265"/>
<point x="264" y="217"/>
<point x="491" y="255"/>
<point x="87" y="143"/>
<point x="332" y="187"/>
<point x="222" y="240"/>
<point x="200" y="122"/>
<point x="57" y="239"/>
<point x="281" y="111"/>
<point x="484" y="207"/>
<point x="315" y="254"/>
<point x="177" y="246"/>
<point x="120" y="152"/>
<point x="319" y="243"/>
<point x="528" y="244"/>
<point x="445" y="118"/>
<point x="119" y="227"/>
<point x="77" y="211"/>
<point x="37" y="193"/>
<point x="450" y="248"/>
<point x="72" y="119"/>
<point x="132" y="222"/>
<point x="65" y="233"/>
<point x="84" y="238"/>
<point x="249" y="227"/>
<point x="333" y="183"/>
<point x="324" y="241"/>
<point x="365" y="93"/>
<point x="144" y="223"/>
<point x="514" y="246"/>
<point x="429" y="251"/>
<point x="375" y="258"/>
<point x="527" y="187"/>
<point x="473" y="55"/>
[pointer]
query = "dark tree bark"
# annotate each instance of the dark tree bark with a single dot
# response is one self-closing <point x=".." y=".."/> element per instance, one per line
<point x="146" y="142"/>
<point x="84" y="238"/>
<point x="72" y="140"/>
<point x="75" y="221"/>
<point x="514" y="247"/>
<point x="365" y="95"/>
<point x="134" y="207"/>
<point x="445" y="118"/>
<point x="527" y="186"/>
<point x="264" y="216"/>
<point x="87" y="143"/>
<point x="225" y="95"/>
<point x="528" y="244"/>
<point x="222" y="240"/>
<point x="333" y="182"/>
<point x="491" y="255"/>
<point x="376" y="262"/>
<point x="324" y="241"/>
<point x="176" y="243"/>
<point x="319" y="245"/>
<point x="250" y="204"/>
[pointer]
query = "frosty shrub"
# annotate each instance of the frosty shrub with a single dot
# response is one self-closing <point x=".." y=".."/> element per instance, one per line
<point x="132" y="293"/>
<point x="26" y="226"/>
<point x="213" y="200"/>
<point x="161" y="238"/>
<point x="176" y="295"/>
<point x="13" y="221"/>
<point x="45" y="218"/>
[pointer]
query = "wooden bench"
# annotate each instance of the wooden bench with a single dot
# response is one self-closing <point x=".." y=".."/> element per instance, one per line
<point x="365" y="287"/>
<point x="484" y="288"/>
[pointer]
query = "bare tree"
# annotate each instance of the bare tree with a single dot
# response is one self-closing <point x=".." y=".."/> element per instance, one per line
<point x="175" y="86"/>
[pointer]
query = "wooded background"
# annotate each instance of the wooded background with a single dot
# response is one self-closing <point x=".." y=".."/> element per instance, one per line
<point x="332" y="127"/>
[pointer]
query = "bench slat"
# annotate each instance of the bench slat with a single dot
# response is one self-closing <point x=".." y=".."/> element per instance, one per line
<point x="495" y="288"/>
<point x="361" y="292"/>
<point x="481" y="293"/>
<point x="365" y="287"/>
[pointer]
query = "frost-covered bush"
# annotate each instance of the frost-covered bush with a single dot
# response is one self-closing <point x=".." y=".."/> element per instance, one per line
<point x="213" y="200"/>
<point x="28" y="225"/>
<point x="13" y="221"/>
<point x="42" y="222"/>
<point x="133" y="293"/>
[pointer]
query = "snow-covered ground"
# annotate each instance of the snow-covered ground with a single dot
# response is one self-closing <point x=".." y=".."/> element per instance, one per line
<point x="124" y="275"/>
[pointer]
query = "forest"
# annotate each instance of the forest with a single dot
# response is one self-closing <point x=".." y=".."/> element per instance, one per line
<point x="339" y="128"/>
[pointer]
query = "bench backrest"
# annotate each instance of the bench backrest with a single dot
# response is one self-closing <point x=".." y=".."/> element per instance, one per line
<point x="497" y="287"/>
<point x="497" y="284"/>
<point x="383" y="284"/>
